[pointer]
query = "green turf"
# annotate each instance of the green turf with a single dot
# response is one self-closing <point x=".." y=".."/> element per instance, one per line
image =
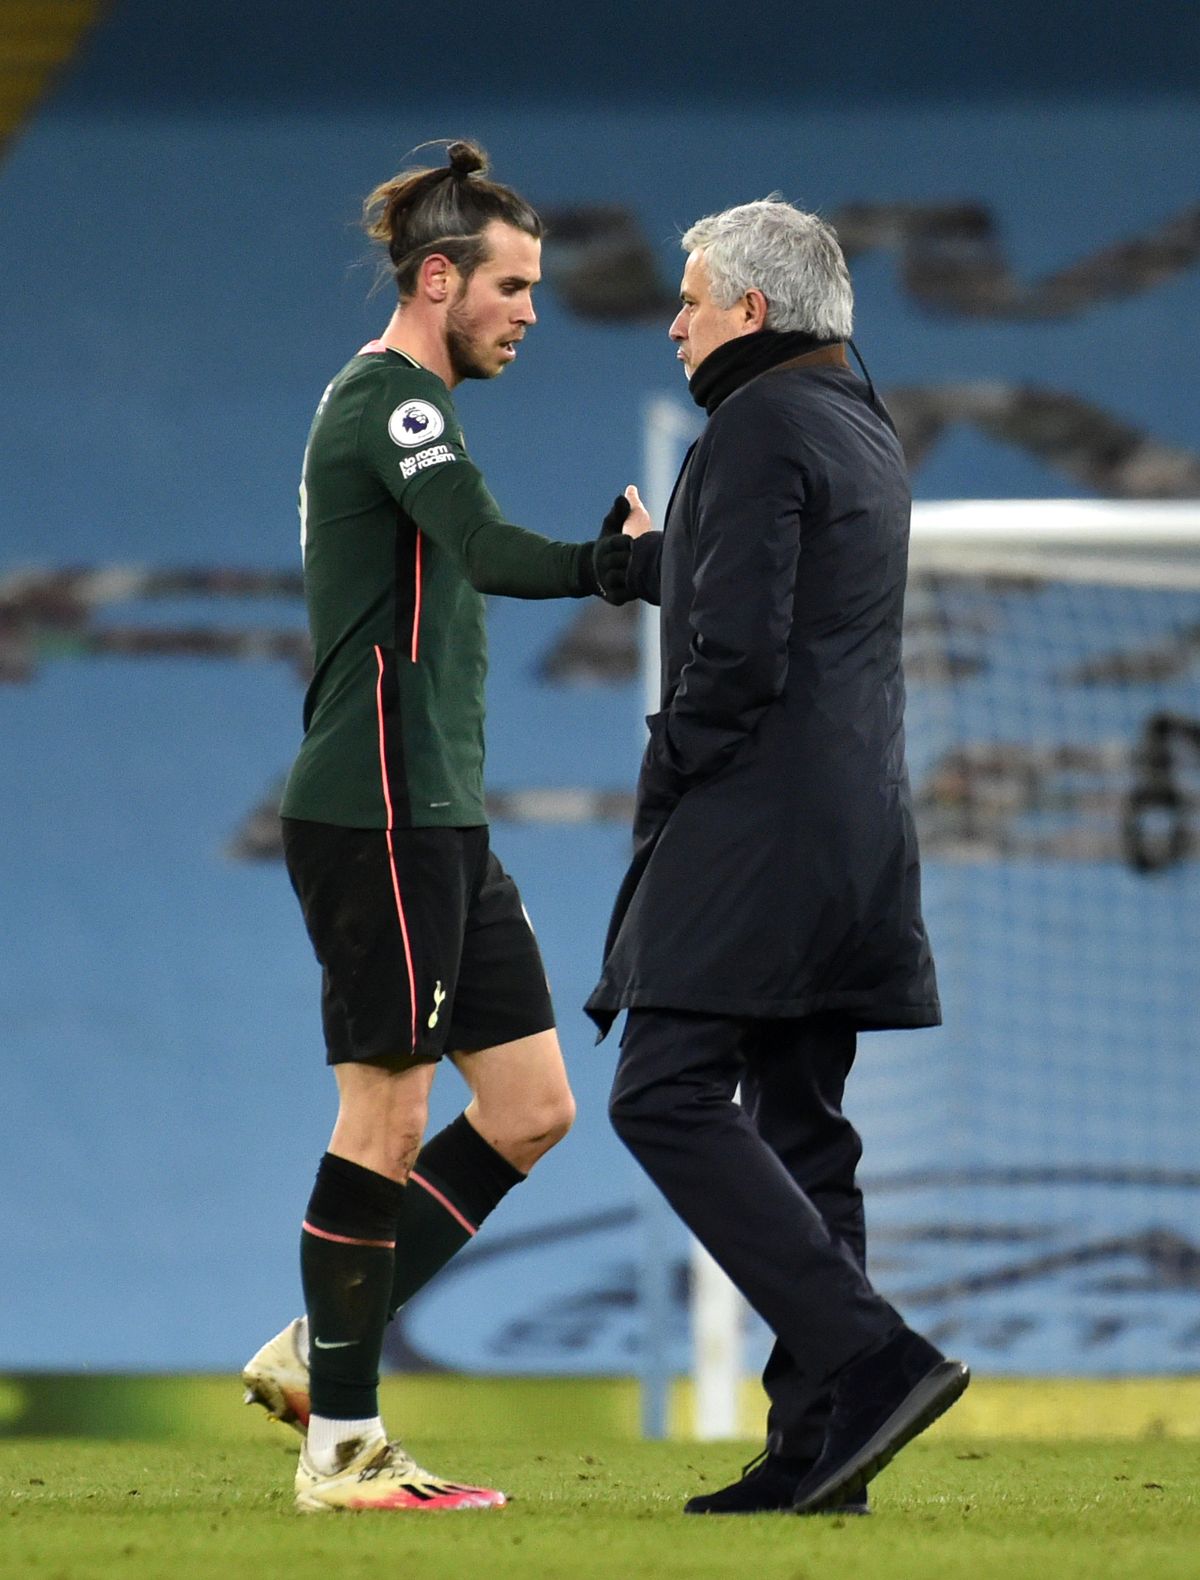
<point x="587" y="1502"/>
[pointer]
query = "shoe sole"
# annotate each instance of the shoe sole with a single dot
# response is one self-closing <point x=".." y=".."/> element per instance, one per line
<point x="853" y="1509"/>
<point x="307" y="1503"/>
<point x="932" y="1397"/>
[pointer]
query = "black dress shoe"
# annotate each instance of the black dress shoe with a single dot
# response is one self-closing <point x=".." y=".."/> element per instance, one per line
<point x="767" y="1486"/>
<point x="880" y="1403"/>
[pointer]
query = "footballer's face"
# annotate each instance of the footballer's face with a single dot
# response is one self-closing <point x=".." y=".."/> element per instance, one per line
<point x="700" y="325"/>
<point x="494" y="308"/>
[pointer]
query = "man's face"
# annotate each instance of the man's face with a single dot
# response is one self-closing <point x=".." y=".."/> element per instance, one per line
<point x="495" y="307"/>
<point x="700" y="325"/>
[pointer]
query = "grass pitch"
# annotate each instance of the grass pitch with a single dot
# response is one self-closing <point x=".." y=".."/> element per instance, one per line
<point x="212" y="1498"/>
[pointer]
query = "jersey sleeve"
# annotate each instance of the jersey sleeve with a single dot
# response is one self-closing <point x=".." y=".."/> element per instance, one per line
<point x="414" y="445"/>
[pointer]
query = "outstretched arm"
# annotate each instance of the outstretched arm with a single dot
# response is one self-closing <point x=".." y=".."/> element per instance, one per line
<point x="441" y="490"/>
<point x="456" y="511"/>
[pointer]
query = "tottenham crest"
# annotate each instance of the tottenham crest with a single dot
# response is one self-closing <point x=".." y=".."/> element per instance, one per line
<point x="415" y="422"/>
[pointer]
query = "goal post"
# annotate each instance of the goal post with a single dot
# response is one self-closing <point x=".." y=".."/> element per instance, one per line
<point x="1031" y="1172"/>
<point x="1123" y="543"/>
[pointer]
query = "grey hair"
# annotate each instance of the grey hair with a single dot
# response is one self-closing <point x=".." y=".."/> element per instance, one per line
<point x="792" y="257"/>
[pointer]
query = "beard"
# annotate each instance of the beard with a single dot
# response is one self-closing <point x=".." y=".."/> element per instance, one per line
<point x="463" y="349"/>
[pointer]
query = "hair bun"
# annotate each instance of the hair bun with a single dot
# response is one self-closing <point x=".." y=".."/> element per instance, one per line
<point x="466" y="158"/>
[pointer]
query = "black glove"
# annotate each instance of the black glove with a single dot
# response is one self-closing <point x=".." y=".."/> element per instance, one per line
<point x="616" y="518"/>
<point x="600" y="567"/>
<point x="610" y="563"/>
<point x="610" y="557"/>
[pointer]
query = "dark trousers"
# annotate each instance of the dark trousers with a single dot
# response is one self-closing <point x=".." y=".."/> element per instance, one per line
<point x="767" y="1187"/>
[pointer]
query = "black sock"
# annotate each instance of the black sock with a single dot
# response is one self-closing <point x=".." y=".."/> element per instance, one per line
<point x="347" y="1252"/>
<point x="457" y="1180"/>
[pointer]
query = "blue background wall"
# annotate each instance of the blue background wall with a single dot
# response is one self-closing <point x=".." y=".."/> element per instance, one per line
<point x="181" y="275"/>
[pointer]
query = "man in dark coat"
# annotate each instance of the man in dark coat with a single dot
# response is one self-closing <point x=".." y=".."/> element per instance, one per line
<point x="772" y="909"/>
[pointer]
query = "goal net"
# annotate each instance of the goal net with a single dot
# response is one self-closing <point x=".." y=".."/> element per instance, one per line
<point x="1032" y="1168"/>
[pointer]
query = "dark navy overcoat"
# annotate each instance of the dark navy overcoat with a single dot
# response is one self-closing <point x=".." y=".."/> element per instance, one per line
<point x="775" y="869"/>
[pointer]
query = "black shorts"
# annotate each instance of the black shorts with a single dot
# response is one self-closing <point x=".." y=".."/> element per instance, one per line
<point x="424" y="944"/>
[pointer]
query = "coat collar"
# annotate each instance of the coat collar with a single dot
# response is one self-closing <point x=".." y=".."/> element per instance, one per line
<point x="738" y="361"/>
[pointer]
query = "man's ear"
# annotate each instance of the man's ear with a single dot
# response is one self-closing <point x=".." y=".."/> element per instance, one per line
<point x="754" y="311"/>
<point x="435" y="277"/>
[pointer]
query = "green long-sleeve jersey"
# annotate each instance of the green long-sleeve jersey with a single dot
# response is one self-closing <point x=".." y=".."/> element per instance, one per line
<point x="401" y="539"/>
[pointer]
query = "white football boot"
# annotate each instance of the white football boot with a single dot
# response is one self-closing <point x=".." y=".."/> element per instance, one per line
<point x="277" y="1377"/>
<point x="381" y="1475"/>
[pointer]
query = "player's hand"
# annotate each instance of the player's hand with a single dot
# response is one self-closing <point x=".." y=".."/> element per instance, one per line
<point x="610" y="565"/>
<point x="617" y="516"/>
<point x="627" y="519"/>
<point x="637" y="518"/>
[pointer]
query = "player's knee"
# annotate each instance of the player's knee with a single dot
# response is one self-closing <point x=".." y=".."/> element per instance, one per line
<point x="546" y="1123"/>
<point x="524" y="1135"/>
<point x="559" y="1118"/>
<point x="384" y="1136"/>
